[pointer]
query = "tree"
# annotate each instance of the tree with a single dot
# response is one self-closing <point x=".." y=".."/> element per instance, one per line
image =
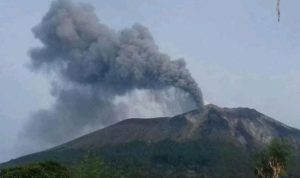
<point x="93" y="167"/>
<point x="274" y="160"/>
<point x="47" y="169"/>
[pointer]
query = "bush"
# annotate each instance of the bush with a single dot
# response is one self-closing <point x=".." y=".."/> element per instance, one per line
<point x="47" y="169"/>
<point x="93" y="167"/>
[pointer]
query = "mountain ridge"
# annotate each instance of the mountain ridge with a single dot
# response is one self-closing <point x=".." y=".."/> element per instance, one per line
<point x="184" y="127"/>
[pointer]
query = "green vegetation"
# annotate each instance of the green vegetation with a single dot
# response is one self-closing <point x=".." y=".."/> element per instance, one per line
<point x="170" y="159"/>
<point x="273" y="162"/>
<point x="47" y="169"/>
<point x="90" y="167"/>
<point x="166" y="159"/>
<point x="213" y="158"/>
<point x="93" y="167"/>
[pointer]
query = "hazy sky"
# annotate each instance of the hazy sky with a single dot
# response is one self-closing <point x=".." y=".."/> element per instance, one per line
<point x="237" y="51"/>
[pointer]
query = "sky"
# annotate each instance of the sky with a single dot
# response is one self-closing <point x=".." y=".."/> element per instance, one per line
<point x="236" y="50"/>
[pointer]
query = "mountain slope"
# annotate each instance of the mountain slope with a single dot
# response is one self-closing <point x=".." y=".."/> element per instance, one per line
<point x="243" y="125"/>
<point x="217" y="142"/>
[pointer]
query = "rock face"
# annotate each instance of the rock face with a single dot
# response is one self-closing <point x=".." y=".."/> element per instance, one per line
<point x="241" y="125"/>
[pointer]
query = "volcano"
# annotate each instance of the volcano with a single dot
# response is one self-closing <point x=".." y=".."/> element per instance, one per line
<point x="214" y="142"/>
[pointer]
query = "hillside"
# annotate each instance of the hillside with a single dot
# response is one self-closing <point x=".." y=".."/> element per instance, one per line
<point x="218" y="142"/>
<point x="242" y="125"/>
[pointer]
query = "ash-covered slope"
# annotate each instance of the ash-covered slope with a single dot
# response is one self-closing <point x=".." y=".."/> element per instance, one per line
<point x="241" y="125"/>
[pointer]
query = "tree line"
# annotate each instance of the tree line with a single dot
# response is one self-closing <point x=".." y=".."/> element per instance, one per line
<point x="271" y="162"/>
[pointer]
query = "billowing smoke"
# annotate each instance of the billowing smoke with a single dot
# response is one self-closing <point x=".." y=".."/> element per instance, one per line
<point x="94" y="66"/>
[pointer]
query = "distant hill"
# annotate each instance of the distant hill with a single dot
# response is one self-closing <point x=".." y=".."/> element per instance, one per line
<point x="217" y="142"/>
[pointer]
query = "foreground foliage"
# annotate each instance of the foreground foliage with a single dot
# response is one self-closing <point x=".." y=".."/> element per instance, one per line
<point x="48" y="169"/>
<point x="166" y="159"/>
<point x="274" y="160"/>
<point x="90" y="167"/>
<point x="93" y="167"/>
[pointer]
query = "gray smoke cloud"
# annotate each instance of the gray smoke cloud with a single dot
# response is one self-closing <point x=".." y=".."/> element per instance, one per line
<point x="94" y="65"/>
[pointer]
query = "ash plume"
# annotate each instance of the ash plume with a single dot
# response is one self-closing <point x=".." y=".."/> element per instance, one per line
<point x="94" y="65"/>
